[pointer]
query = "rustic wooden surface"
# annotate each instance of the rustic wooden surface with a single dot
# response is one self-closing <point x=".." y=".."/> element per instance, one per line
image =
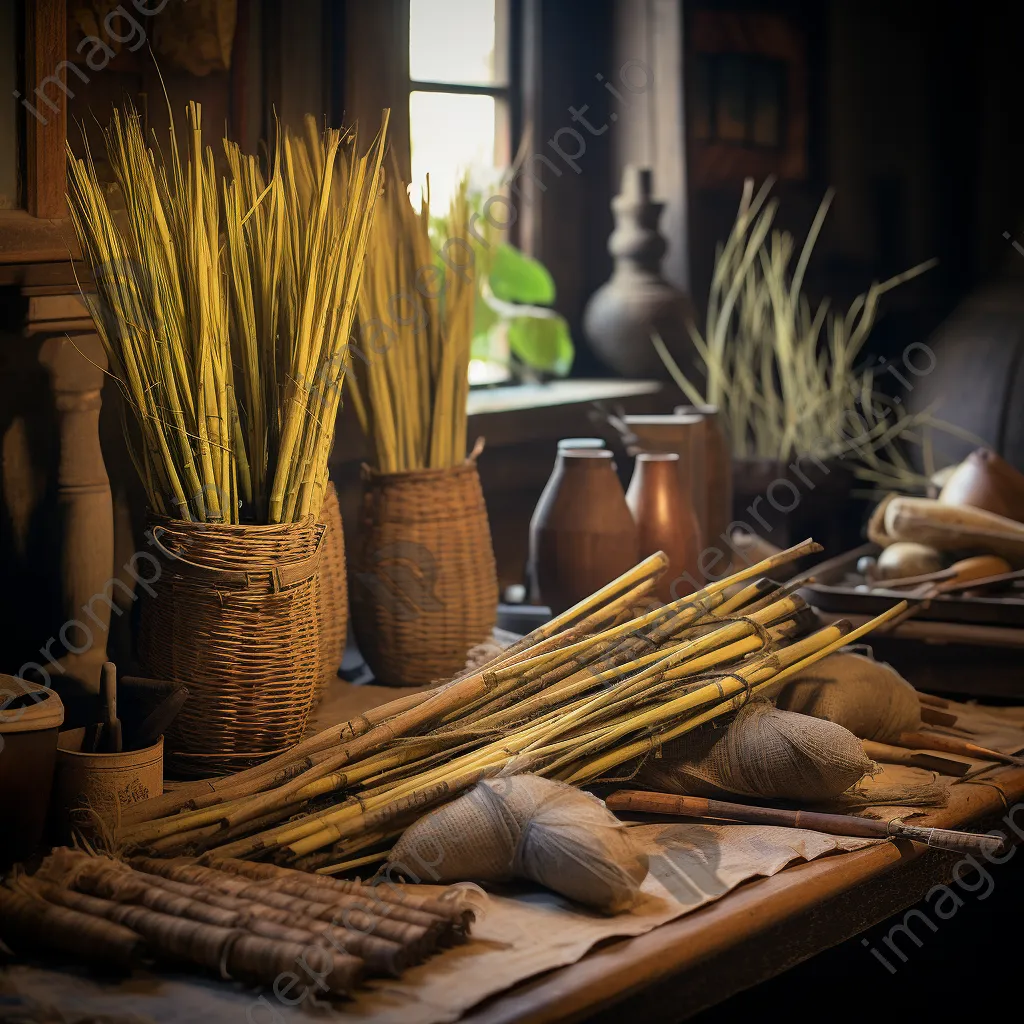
<point x="33" y="249"/>
<point x="45" y="28"/>
<point x="754" y="933"/>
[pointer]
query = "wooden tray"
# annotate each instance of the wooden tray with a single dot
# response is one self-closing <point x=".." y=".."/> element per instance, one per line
<point x="834" y="590"/>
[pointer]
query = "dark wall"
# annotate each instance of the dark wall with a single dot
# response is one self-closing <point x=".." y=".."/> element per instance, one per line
<point x="916" y="115"/>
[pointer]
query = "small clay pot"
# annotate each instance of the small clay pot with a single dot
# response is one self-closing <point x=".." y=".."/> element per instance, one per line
<point x="582" y="535"/>
<point x="984" y="480"/>
<point x="30" y="716"/>
<point x="665" y="521"/>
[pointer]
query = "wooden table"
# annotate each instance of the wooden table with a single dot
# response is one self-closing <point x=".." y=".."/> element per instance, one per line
<point x="754" y="933"/>
<point x="759" y="930"/>
<point x="750" y="935"/>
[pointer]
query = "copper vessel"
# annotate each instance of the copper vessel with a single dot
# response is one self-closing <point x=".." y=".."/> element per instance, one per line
<point x="666" y="521"/>
<point x="714" y="505"/>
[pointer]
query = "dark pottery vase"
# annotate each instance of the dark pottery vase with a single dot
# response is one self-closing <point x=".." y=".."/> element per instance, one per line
<point x="582" y="534"/>
<point x="637" y="301"/>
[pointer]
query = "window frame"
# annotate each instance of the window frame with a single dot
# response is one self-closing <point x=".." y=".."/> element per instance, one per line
<point x="508" y="97"/>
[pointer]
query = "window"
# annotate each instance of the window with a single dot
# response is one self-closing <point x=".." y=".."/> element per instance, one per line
<point x="458" y="93"/>
<point x="738" y="98"/>
<point x="459" y="119"/>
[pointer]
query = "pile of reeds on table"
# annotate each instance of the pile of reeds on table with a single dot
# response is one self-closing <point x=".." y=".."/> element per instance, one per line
<point x="246" y="921"/>
<point x="225" y="305"/>
<point x="596" y="687"/>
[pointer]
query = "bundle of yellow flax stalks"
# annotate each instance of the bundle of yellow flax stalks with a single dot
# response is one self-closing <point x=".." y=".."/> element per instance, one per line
<point x="247" y="921"/>
<point x="594" y="688"/>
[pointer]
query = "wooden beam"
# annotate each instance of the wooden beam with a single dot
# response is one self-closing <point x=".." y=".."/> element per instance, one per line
<point x="25" y="239"/>
<point x="45" y="91"/>
<point x="377" y="72"/>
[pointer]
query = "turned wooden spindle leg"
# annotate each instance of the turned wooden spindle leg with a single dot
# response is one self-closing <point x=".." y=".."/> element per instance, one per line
<point x="76" y="366"/>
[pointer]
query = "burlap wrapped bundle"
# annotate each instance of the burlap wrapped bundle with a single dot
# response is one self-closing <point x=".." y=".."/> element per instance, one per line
<point x="528" y="827"/>
<point x="763" y="752"/>
<point x="868" y="697"/>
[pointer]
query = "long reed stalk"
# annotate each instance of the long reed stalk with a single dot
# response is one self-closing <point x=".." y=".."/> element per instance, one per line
<point x="225" y="305"/>
<point x="416" y="327"/>
<point x="576" y="698"/>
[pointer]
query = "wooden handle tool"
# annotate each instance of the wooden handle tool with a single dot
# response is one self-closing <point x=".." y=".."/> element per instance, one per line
<point x="887" y="753"/>
<point x="159" y="719"/>
<point x="968" y="571"/>
<point x="832" y="824"/>
<point x="112" y="724"/>
<point x="934" y="716"/>
<point x="955" y="745"/>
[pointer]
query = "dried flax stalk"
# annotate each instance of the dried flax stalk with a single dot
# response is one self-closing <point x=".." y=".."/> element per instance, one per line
<point x="240" y="920"/>
<point x="577" y="697"/>
<point x="416" y="313"/>
<point x="225" y="306"/>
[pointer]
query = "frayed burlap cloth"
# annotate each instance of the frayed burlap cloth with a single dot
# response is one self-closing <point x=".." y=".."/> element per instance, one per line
<point x="868" y="697"/>
<point x="533" y="828"/>
<point x="763" y="752"/>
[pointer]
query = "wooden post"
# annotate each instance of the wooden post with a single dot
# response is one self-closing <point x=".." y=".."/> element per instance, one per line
<point x="380" y="29"/>
<point x="46" y="110"/>
<point x="76" y="365"/>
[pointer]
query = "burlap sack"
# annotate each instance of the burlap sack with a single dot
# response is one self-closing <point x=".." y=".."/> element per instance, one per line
<point x="868" y="697"/>
<point x="527" y="827"/>
<point x="763" y="752"/>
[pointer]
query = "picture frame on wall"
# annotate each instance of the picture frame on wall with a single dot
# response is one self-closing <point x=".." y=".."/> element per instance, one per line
<point x="747" y="98"/>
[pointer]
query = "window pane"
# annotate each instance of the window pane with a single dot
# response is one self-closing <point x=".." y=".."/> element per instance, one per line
<point x="453" y="41"/>
<point x="450" y="134"/>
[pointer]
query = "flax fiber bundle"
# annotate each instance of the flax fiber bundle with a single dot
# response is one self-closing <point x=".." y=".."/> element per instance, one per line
<point x="528" y="827"/>
<point x="573" y="701"/>
<point x="868" y="697"/>
<point x="764" y="752"/>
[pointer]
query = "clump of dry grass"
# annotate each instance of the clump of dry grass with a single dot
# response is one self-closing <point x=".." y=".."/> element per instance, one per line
<point x="416" y="310"/>
<point x="789" y="375"/>
<point x="225" y="305"/>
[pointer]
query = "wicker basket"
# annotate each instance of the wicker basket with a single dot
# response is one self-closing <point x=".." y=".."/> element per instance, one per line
<point x="424" y="584"/>
<point x="234" y="614"/>
<point x="333" y="590"/>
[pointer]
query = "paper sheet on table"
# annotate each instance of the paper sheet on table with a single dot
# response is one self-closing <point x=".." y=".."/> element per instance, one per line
<point x="516" y="937"/>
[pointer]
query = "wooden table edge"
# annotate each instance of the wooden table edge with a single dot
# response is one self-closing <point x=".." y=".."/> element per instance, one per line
<point x="613" y="972"/>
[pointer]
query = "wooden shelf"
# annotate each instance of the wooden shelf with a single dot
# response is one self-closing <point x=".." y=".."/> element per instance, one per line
<point x="28" y="239"/>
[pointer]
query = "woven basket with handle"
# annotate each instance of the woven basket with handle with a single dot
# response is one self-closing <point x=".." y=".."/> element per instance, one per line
<point x="234" y="614"/>
<point x="333" y="589"/>
<point x="424" y="584"/>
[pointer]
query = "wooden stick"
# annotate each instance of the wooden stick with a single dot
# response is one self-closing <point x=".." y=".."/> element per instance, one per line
<point x="28" y="924"/>
<point x="955" y="745"/>
<point x="816" y="821"/>
<point x="891" y="754"/>
<point x="933" y="716"/>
